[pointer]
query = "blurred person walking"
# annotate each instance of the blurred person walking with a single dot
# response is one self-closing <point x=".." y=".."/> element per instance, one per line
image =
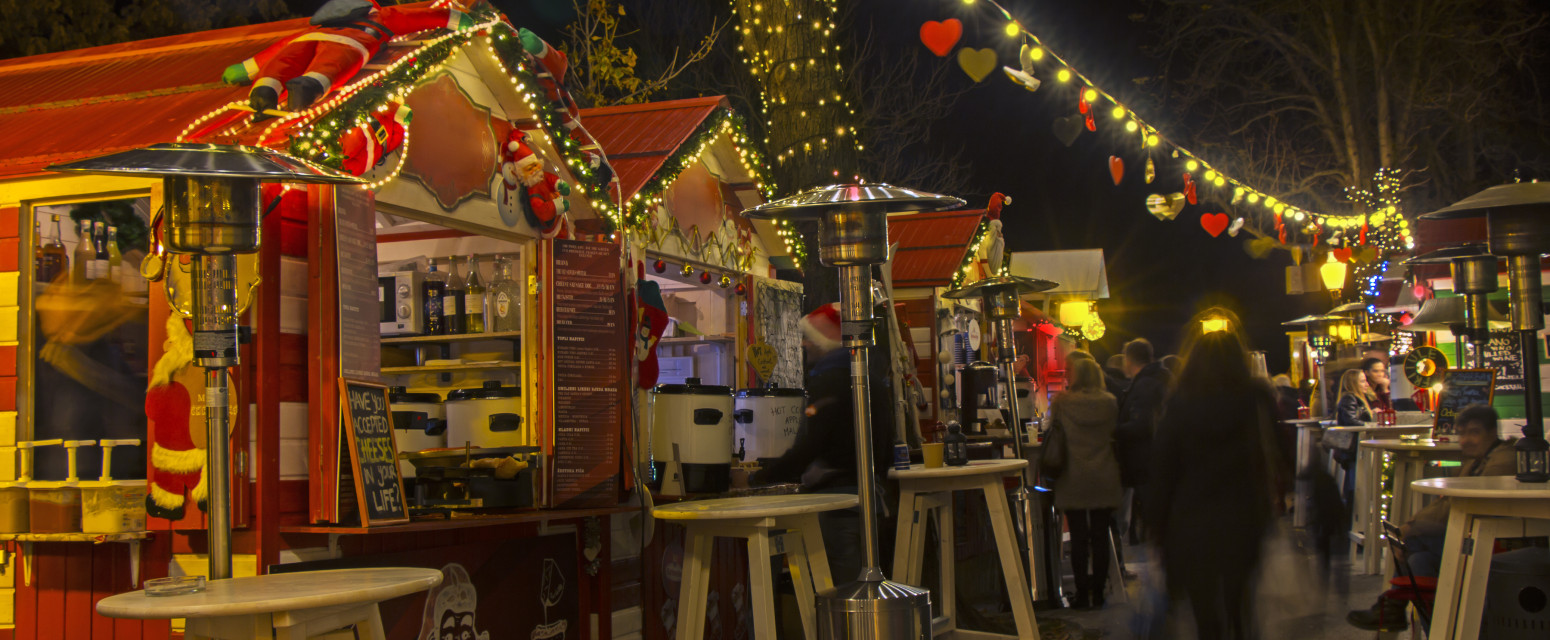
<point x="1143" y="401"/>
<point x="1089" y="489"/>
<point x="1210" y="504"/>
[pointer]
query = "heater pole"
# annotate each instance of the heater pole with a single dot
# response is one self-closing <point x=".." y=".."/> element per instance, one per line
<point x="856" y="310"/>
<point x="215" y="349"/>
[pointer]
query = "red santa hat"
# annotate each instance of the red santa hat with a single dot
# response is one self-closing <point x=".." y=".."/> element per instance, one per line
<point x="518" y="153"/>
<point x="822" y="326"/>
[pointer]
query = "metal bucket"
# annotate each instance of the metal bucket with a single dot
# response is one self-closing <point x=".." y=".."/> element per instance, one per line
<point x="874" y="610"/>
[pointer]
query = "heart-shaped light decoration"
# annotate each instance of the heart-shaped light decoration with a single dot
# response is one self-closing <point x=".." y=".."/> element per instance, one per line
<point x="1067" y="129"/>
<point x="1365" y="255"/>
<point x="1165" y="207"/>
<point x="1237" y="225"/>
<point x="1116" y="169"/>
<point x="1342" y="254"/>
<point x="1214" y="223"/>
<point x="978" y="63"/>
<point x="1260" y="247"/>
<point x="940" y="37"/>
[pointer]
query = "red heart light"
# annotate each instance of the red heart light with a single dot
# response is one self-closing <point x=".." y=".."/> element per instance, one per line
<point x="1214" y="223"/>
<point x="1342" y="254"/>
<point x="1116" y="169"/>
<point x="940" y="37"/>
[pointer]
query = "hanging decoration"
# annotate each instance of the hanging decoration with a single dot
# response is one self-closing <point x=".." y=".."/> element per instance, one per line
<point x="1260" y="247"/>
<point x="705" y="277"/>
<point x="659" y="266"/>
<point x="686" y="271"/>
<point x="1151" y="171"/>
<point x="1165" y="207"/>
<point x="1237" y="225"/>
<point x="1067" y="129"/>
<point x="978" y="63"/>
<point x="524" y="177"/>
<point x="941" y="37"/>
<point x="1255" y="203"/>
<point x="1214" y="223"/>
<point x="1116" y="169"/>
<point x="651" y="323"/>
<point x="366" y="147"/>
<point x="1023" y="75"/>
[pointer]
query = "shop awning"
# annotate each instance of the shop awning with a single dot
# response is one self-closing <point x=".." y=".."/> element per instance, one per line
<point x="77" y="104"/>
<point x="638" y="138"/>
<point x="1080" y="272"/>
<point x="931" y="246"/>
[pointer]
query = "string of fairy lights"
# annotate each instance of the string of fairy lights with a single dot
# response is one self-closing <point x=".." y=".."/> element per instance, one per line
<point x="1149" y="137"/>
<point x="316" y="133"/>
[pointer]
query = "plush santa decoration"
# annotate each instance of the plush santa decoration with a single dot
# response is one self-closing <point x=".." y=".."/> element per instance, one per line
<point x="651" y="322"/>
<point x="347" y="33"/>
<point x="178" y="446"/>
<point x="525" y="177"/>
<point x="366" y="146"/>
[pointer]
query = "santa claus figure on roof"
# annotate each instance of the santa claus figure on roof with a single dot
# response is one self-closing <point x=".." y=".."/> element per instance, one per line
<point x="528" y="182"/>
<point x="346" y="34"/>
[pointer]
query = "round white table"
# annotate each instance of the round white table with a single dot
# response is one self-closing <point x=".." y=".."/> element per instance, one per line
<point x="282" y="606"/>
<point x="1481" y="509"/>
<point x="927" y="493"/>
<point x="752" y="518"/>
<point x="1410" y="459"/>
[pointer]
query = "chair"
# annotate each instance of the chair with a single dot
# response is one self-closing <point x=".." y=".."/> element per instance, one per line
<point x="1406" y="586"/>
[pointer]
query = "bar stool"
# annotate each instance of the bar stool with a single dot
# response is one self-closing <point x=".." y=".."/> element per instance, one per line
<point x="752" y="519"/>
<point x="927" y="493"/>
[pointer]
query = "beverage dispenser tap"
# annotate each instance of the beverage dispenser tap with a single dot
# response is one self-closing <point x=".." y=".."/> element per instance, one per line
<point x="71" y="447"/>
<point x="107" y="454"/>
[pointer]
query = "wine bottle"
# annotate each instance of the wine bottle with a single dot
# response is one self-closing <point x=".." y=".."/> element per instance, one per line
<point x="473" y="299"/>
<point x="99" y="239"/>
<point x="505" y="312"/>
<point x="453" y="306"/>
<point x="435" y="290"/>
<point x="81" y="272"/>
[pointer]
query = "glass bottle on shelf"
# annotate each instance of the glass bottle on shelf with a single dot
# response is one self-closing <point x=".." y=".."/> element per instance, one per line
<point x="505" y="312"/>
<point x="53" y="259"/>
<point x="115" y="257"/>
<point x="452" y="305"/>
<point x="435" y="290"/>
<point x="99" y="239"/>
<point x="82" y="272"/>
<point x="473" y="299"/>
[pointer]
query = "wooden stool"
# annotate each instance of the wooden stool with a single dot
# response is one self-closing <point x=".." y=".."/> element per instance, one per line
<point x="284" y="606"/>
<point x="752" y="518"/>
<point x="929" y="492"/>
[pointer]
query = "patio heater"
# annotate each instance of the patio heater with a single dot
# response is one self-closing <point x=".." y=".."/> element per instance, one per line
<point x="1474" y="277"/>
<point x="1517" y="218"/>
<point x="1318" y="328"/>
<point x="1000" y="296"/>
<point x="853" y="236"/>
<point x="211" y="198"/>
<point x="1452" y="315"/>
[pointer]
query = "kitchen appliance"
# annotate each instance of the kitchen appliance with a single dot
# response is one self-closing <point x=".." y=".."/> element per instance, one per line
<point x="691" y="438"/>
<point x="487" y="416"/>
<point x="212" y="213"/>
<point x="419" y="423"/>
<point x="768" y="420"/>
<point x="976" y="392"/>
<point x="450" y="479"/>
<point x="401" y="295"/>
<point x="853" y="236"/>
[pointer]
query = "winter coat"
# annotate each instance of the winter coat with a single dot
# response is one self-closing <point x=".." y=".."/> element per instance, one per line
<point x="1349" y="412"/>
<point x="1501" y="460"/>
<point x="1091" y="479"/>
<point x="1209" y="501"/>
<point x="824" y="452"/>
<point x="1137" y="422"/>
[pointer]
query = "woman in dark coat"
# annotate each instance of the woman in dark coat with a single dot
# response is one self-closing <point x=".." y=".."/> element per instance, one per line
<point x="1211" y="502"/>
<point x="1089" y="489"/>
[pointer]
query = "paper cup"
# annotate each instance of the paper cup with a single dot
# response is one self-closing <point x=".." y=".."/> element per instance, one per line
<point x="932" y="453"/>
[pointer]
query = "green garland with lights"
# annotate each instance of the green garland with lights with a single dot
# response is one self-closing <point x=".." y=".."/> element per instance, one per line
<point x="970" y="254"/>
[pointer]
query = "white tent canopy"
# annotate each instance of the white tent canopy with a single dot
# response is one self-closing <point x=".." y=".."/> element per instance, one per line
<point x="1080" y="272"/>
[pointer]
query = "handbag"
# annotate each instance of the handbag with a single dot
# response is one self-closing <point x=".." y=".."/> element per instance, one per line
<point x="1053" y="458"/>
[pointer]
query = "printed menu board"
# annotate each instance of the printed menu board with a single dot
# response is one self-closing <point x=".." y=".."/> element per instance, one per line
<point x="360" y="338"/>
<point x="1461" y="388"/>
<point x="590" y="359"/>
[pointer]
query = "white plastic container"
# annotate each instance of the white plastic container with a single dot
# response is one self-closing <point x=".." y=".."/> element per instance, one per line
<point x="419" y="423"/>
<point x="697" y="419"/>
<point x="767" y="421"/>
<point x="113" y="506"/>
<point x="488" y="416"/>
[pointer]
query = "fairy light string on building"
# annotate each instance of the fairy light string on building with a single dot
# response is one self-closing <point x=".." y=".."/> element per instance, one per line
<point x="1148" y="137"/>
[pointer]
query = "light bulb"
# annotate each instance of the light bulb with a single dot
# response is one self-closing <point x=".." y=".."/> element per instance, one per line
<point x="1117" y="112"/>
<point x="1012" y="29"/>
<point x="1131" y="126"/>
<point x="1191" y="165"/>
<point x="1090" y="95"/>
<point x="1037" y="54"/>
<point x="1064" y="75"/>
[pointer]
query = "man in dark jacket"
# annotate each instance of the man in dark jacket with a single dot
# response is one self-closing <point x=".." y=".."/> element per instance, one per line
<point x="1149" y="384"/>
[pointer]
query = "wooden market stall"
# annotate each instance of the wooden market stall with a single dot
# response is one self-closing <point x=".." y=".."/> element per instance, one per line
<point x="441" y="122"/>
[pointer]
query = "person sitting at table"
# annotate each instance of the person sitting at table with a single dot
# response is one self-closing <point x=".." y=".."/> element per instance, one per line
<point x="1376" y="370"/>
<point x="1485" y="453"/>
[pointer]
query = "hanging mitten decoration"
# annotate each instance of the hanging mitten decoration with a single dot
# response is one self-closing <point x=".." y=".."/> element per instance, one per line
<point x="1237" y="225"/>
<point x="1023" y="76"/>
<point x="941" y="37"/>
<point x="651" y="321"/>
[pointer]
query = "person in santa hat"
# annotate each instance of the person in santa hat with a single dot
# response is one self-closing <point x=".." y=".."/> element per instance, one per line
<point x="823" y="456"/>
<point x="521" y="168"/>
<point x="348" y="33"/>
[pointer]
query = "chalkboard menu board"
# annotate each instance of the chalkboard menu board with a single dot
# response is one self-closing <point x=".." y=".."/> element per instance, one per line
<point x="1504" y="353"/>
<point x="368" y="425"/>
<point x="1461" y="388"/>
<point x="591" y="337"/>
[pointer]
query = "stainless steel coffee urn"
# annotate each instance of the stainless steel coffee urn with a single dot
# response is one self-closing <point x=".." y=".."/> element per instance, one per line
<point x="853" y="235"/>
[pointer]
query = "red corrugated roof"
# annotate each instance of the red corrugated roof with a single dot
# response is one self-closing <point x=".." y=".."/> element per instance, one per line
<point x="76" y="104"/>
<point x="931" y="246"/>
<point x="638" y="138"/>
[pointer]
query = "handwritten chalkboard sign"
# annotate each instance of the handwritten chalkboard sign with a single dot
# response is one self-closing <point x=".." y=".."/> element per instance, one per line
<point x="1461" y="388"/>
<point x="1504" y="353"/>
<point x="368" y="424"/>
